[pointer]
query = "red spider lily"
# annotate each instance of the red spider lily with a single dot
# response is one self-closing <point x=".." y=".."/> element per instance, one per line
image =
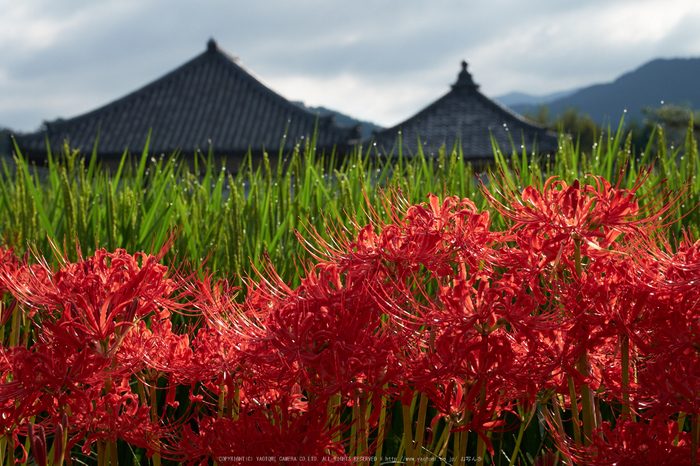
<point x="440" y="237"/>
<point x="489" y="337"/>
<point x="276" y="431"/>
<point x="670" y="350"/>
<point x="8" y="263"/>
<point x="595" y="214"/>
<point x="328" y="334"/>
<point x="216" y="303"/>
<point x="427" y="234"/>
<point x="231" y="348"/>
<point x="671" y="382"/>
<point x="94" y="301"/>
<point x="47" y="379"/>
<point x="683" y="268"/>
<point x="430" y="235"/>
<point x="339" y="344"/>
<point x="157" y="348"/>
<point x="81" y="314"/>
<point x="5" y="363"/>
<point x="493" y="375"/>
<point x="479" y="409"/>
<point x="227" y="326"/>
<point x="489" y="332"/>
<point x="217" y="357"/>
<point x="463" y="407"/>
<point x="595" y="312"/>
<point x="118" y="414"/>
<point x="433" y="302"/>
<point x="671" y="279"/>
<point x="632" y="443"/>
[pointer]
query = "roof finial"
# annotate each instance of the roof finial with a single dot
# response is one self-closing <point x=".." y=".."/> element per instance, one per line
<point x="464" y="79"/>
<point x="211" y="45"/>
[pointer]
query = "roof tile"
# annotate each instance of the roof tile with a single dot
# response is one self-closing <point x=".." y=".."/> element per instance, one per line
<point x="212" y="97"/>
<point x="465" y="116"/>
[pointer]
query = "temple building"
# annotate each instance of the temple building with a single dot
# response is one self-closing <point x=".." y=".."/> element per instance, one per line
<point x="466" y="117"/>
<point x="211" y="100"/>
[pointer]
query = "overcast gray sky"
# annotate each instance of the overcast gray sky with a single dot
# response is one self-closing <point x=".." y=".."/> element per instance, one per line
<point x="377" y="60"/>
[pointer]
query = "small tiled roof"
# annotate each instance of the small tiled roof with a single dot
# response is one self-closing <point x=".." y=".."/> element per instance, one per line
<point x="465" y="114"/>
<point x="211" y="99"/>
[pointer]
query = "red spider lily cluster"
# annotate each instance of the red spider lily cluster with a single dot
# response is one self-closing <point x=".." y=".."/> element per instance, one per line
<point x="579" y="310"/>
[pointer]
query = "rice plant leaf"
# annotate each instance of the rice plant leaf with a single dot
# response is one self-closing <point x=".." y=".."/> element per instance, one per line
<point x="188" y="226"/>
<point x="118" y="175"/>
<point x="148" y="224"/>
<point x="147" y="231"/>
<point x="70" y="230"/>
<point x="142" y="163"/>
<point x="37" y="196"/>
<point x="93" y="157"/>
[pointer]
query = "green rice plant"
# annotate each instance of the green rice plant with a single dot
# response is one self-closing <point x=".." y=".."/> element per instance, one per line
<point x="235" y="222"/>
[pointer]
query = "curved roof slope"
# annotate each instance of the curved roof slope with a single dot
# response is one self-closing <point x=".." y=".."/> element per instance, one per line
<point x="465" y="114"/>
<point x="210" y="99"/>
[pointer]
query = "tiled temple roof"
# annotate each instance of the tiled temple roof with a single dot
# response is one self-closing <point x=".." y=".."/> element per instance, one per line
<point x="465" y="114"/>
<point x="210" y="99"/>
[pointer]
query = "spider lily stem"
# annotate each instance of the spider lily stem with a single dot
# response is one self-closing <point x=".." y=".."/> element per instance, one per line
<point x="381" y="432"/>
<point x="408" y="429"/>
<point x="236" y="403"/>
<point x="100" y="453"/>
<point x="420" y="426"/>
<point x="480" y="443"/>
<point x="114" y="454"/>
<point x="523" y="425"/>
<point x="694" y="440"/>
<point x="154" y="416"/>
<point x="455" y="449"/>
<point x="586" y="405"/>
<point x="443" y="442"/>
<point x="462" y="452"/>
<point x="110" y="453"/>
<point x="626" y="410"/>
<point x="14" y="332"/>
<point x="407" y="439"/>
<point x="354" y="441"/>
<point x="363" y="448"/>
<point x="334" y="411"/>
<point x="681" y="423"/>
<point x="574" y="411"/>
<point x="557" y="404"/>
<point x="480" y="451"/>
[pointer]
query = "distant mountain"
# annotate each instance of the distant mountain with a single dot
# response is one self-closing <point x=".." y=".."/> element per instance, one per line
<point x="519" y="98"/>
<point x="658" y="82"/>
<point x="367" y="128"/>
